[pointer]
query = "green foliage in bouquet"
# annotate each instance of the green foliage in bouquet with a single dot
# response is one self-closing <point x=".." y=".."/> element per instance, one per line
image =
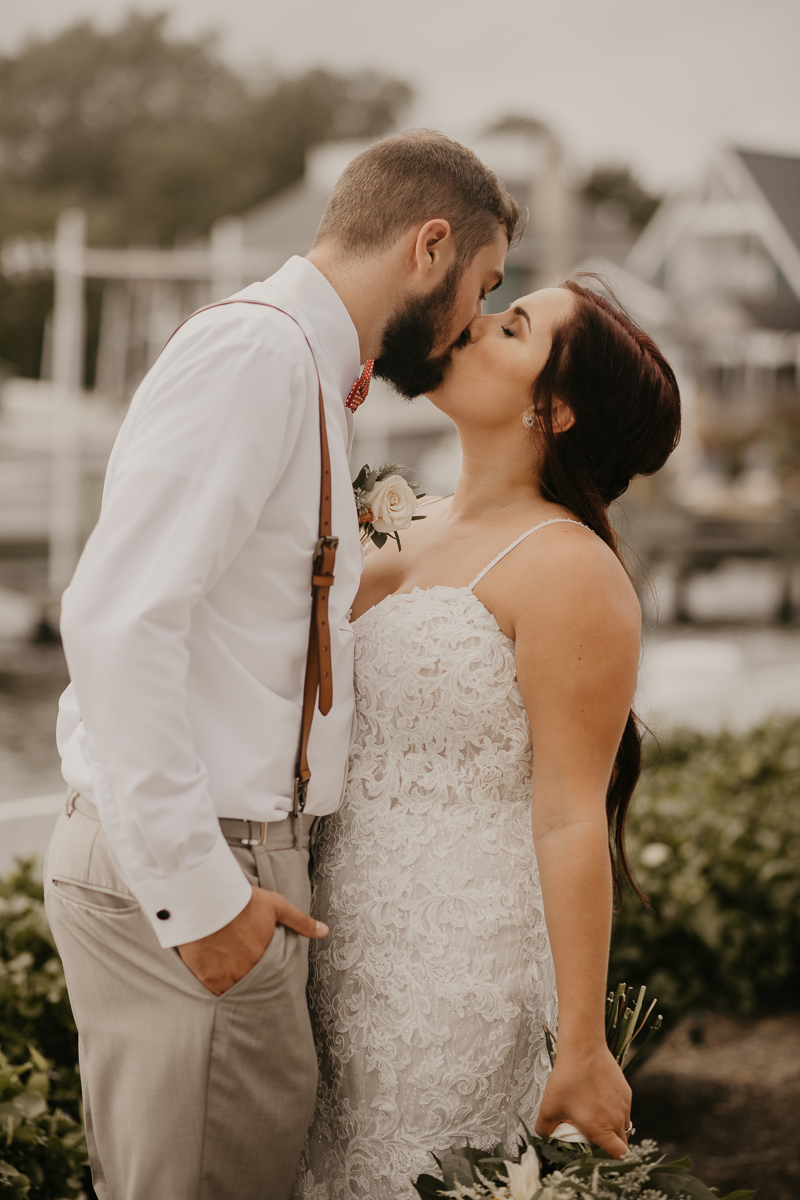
<point x="560" y="1171"/>
<point x="42" y="1149"/>
<point x="714" y="836"/>
<point x="34" y="1007"/>
<point x="624" y="1023"/>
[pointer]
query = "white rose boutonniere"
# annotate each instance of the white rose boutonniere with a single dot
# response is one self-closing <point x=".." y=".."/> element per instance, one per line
<point x="386" y="503"/>
<point x="393" y="504"/>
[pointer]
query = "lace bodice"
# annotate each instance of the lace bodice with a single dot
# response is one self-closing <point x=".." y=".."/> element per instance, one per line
<point x="429" y="994"/>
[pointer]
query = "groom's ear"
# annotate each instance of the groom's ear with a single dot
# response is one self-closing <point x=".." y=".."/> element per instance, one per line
<point x="433" y="250"/>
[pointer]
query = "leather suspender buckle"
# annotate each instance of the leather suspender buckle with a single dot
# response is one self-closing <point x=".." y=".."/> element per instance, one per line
<point x="327" y="542"/>
<point x="324" y="562"/>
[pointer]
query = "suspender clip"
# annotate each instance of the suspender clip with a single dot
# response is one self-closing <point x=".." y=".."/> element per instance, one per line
<point x="300" y="795"/>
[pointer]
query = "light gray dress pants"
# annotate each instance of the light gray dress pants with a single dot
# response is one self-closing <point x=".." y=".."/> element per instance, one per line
<point x="187" y="1096"/>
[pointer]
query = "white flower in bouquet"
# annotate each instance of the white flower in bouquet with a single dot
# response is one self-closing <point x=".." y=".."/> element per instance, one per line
<point x="392" y="503"/>
<point x="523" y="1177"/>
<point x="565" y="1132"/>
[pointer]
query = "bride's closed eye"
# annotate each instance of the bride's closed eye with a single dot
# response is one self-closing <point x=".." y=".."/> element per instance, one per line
<point x="508" y="331"/>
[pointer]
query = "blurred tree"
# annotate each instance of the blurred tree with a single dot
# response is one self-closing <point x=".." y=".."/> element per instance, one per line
<point x="24" y="305"/>
<point x="617" y="187"/>
<point x="518" y="123"/>
<point x="156" y="136"/>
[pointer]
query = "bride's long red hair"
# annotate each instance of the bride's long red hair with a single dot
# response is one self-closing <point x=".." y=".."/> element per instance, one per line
<point x="627" y="409"/>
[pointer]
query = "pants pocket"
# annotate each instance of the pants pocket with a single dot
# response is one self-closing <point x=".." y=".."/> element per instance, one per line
<point x="272" y="957"/>
<point x="90" y="896"/>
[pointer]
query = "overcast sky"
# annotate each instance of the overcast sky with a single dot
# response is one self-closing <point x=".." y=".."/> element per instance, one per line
<point x="657" y="83"/>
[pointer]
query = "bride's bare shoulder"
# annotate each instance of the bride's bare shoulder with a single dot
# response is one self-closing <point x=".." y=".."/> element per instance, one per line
<point x="570" y="575"/>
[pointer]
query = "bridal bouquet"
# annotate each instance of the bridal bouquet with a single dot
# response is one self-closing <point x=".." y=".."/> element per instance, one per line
<point x="386" y="502"/>
<point x="560" y="1171"/>
<point x="567" y="1167"/>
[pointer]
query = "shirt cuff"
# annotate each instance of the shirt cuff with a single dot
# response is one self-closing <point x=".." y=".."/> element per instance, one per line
<point x="194" y="903"/>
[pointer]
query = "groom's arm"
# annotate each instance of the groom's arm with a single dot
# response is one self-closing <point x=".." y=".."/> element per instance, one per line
<point x="196" y="463"/>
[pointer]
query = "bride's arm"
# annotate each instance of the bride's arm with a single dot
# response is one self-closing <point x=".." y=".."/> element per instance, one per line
<point x="577" y="646"/>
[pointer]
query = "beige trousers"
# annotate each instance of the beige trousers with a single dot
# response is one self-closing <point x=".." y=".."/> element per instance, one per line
<point x="187" y="1096"/>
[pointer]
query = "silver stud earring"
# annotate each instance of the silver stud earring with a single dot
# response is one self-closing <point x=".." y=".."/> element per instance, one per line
<point x="530" y="421"/>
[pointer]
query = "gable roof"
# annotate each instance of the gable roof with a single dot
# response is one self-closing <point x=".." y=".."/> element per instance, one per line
<point x="286" y="223"/>
<point x="778" y="178"/>
<point x="760" y="196"/>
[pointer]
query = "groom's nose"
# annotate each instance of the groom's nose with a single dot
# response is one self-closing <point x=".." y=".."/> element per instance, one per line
<point x="476" y="327"/>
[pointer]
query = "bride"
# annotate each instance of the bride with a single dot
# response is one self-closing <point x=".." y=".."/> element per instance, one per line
<point x="467" y="877"/>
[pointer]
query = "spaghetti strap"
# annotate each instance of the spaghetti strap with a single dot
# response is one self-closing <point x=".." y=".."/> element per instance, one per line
<point x="521" y="538"/>
<point x="433" y="500"/>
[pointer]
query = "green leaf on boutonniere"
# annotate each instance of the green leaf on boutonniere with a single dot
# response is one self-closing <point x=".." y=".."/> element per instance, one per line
<point x="360" y="480"/>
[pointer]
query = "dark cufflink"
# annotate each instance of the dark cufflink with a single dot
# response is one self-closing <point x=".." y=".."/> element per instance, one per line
<point x="163" y="914"/>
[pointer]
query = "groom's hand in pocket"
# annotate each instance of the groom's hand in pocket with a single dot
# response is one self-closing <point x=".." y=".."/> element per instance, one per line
<point x="223" y="958"/>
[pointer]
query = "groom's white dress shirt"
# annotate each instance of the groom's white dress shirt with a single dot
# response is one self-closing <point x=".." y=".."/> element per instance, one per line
<point x="186" y="625"/>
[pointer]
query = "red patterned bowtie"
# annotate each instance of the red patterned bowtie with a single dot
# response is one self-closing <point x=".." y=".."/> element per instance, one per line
<point x="358" y="392"/>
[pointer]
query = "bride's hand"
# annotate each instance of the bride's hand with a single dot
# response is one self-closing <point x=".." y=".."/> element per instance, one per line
<point x="587" y="1088"/>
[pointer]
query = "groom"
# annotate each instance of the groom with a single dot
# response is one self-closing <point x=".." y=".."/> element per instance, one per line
<point x="176" y="880"/>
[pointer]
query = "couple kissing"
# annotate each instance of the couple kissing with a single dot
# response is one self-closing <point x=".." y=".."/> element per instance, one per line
<point x="316" y="894"/>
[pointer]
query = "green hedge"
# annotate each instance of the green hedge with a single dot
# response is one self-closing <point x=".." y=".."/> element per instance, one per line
<point x="42" y="1148"/>
<point x="42" y="1145"/>
<point x="714" y="837"/>
<point x="34" y="1006"/>
<point x="714" y="834"/>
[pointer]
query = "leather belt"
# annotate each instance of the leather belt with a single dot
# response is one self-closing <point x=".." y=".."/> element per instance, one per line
<point x="274" y="835"/>
<point x="243" y="833"/>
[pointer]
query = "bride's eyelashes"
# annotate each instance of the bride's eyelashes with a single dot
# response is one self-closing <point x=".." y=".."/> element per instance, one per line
<point x="508" y="331"/>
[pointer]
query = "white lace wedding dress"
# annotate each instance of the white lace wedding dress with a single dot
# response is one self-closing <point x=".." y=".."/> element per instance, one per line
<point x="429" y="994"/>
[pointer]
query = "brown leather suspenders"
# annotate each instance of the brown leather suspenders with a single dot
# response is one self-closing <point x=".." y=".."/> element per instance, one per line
<point x="319" y="672"/>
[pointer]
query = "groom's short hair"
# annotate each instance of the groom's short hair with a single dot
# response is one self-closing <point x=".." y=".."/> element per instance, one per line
<point x="411" y="178"/>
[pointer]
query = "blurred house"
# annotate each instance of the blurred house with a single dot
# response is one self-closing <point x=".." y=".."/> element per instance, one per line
<point x="728" y="257"/>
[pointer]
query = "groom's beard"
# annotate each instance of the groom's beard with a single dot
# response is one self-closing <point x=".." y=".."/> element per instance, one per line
<point x="407" y="360"/>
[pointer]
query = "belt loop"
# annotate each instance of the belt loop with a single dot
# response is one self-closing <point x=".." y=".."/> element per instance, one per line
<point x="294" y="817"/>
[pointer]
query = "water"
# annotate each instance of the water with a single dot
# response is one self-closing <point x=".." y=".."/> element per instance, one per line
<point x="730" y="677"/>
